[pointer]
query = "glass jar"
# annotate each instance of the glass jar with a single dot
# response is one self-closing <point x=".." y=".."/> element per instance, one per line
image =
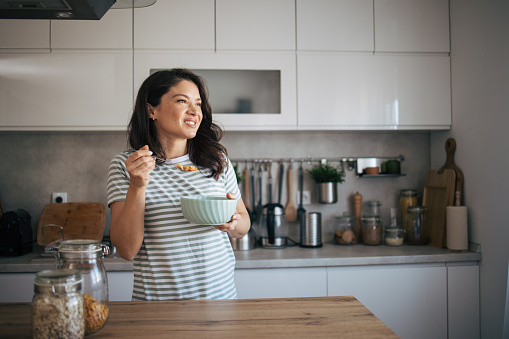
<point x="86" y="256"/>
<point x="394" y="236"/>
<point x="57" y="306"/>
<point x="408" y="197"/>
<point x="374" y="208"/>
<point x="344" y="234"/>
<point x="416" y="228"/>
<point x="371" y="230"/>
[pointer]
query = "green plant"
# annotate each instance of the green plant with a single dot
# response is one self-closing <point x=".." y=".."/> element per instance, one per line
<point x="240" y="178"/>
<point x="326" y="173"/>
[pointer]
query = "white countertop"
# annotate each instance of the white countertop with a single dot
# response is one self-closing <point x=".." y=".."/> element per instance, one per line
<point x="329" y="255"/>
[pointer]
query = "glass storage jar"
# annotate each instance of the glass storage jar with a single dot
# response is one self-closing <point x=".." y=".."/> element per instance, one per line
<point x="416" y="227"/>
<point x="374" y="208"/>
<point x="57" y="306"/>
<point x="344" y="234"/>
<point x="371" y="230"/>
<point x="86" y="256"/>
<point x="408" y="197"/>
<point x="394" y="236"/>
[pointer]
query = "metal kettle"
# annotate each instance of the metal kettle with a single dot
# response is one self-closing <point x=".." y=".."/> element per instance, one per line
<point x="273" y="228"/>
<point x="246" y="243"/>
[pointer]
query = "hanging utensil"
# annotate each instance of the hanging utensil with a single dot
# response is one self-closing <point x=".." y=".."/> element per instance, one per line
<point x="246" y="187"/>
<point x="255" y="215"/>
<point x="301" y="211"/>
<point x="281" y="177"/>
<point x="291" y="210"/>
<point x="259" y="206"/>
<point x="270" y="181"/>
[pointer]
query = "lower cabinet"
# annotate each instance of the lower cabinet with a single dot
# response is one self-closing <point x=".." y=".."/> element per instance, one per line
<point x="281" y="282"/>
<point x="414" y="301"/>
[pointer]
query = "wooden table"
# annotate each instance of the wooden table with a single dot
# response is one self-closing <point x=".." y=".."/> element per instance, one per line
<point x="327" y="317"/>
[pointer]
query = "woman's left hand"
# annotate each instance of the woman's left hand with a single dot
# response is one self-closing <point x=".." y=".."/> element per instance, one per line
<point x="230" y="225"/>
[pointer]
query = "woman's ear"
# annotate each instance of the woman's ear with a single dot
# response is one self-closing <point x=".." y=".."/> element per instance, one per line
<point x="150" y="110"/>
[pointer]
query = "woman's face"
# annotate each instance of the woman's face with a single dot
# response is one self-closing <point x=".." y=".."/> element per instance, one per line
<point x="179" y="114"/>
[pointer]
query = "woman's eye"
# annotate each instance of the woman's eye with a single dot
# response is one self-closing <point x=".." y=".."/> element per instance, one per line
<point x="198" y="104"/>
<point x="181" y="100"/>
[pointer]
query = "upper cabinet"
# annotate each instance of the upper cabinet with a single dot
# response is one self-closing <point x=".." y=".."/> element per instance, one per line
<point x="373" y="25"/>
<point x="174" y="25"/>
<point x="412" y="26"/>
<point x="255" y="25"/>
<point x="335" y="25"/>
<point x="113" y="31"/>
<point x="373" y="92"/>
<point x="65" y="91"/>
<point x="24" y="34"/>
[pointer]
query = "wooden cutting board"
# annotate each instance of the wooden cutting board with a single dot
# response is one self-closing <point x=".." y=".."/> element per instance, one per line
<point x="450" y="148"/>
<point x="80" y="220"/>
<point x="438" y="194"/>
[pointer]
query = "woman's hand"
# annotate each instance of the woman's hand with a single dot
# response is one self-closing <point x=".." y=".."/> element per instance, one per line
<point x="230" y="225"/>
<point x="139" y="166"/>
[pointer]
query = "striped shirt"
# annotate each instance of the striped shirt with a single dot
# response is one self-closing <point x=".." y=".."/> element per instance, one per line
<point x="178" y="259"/>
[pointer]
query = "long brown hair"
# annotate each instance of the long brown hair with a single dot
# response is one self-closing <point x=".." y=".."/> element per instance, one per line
<point x="204" y="149"/>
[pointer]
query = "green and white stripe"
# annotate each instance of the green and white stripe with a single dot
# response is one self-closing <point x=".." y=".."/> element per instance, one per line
<point x="178" y="259"/>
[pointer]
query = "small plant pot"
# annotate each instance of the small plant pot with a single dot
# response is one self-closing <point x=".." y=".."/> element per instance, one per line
<point x="328" y="192"/>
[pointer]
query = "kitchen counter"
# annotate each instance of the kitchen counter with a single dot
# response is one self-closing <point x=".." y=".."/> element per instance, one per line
<point x="254" y="318"/>
<point x="329" y="255"/>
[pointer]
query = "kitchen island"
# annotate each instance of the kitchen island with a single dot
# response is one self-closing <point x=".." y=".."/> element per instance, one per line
<point x="330" y="317"/>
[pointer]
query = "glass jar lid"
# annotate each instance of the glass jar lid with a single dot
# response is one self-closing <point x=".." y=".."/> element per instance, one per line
<point x="409" y="193"/>
<point x="416" y="209"/>
<point x="371" y="218"/>
<point x="80" y="247"/>
<point x="58" y="281"/>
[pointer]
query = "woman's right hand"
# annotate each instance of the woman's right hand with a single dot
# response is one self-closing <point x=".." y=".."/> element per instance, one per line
<point x="139" y="166"/>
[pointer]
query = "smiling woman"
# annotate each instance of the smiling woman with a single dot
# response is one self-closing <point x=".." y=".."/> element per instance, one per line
<point x="171" y="128"/>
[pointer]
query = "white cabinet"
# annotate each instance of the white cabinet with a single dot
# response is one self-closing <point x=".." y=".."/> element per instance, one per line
<point x="144" y="63"/>
<point x="373" y="92"/>
<point x="255" y="25"/>
<point x="411" y="26"/>
<point x="16" y="287"/>
<point x="65" y="91"/>
<point x="113" y="31"/>
<point x="463" y="301"/>
<point x="281" y="283"/>
<point x="335" y="25"/>
<point x="24" y="34"/>
<point x="175" y="24"/>
<point x="120" y="285"/>
<point x="410" y="300"/>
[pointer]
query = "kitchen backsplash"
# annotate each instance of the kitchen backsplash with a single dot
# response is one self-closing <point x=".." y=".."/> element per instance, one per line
<point x="35" y="164"/>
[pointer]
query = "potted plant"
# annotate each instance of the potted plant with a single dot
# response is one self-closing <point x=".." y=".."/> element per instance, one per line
<point x="327" y="178"/>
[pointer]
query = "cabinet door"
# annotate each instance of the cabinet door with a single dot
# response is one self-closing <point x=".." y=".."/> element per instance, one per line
<point x="412" y="26"/>
<point x="175" y="24"/>
<point x="284" y="63"/>
<point x="113" y="31"/>
<point x="65" y="91"/>
<point x="281" y="283"/>
<point x="463" y="301"/>
<point x="335" y="25"/>
<point x="410" y="300"/>
<point x="24" y="34"/>
<point x="255" y="25"/>
<point x="373" y="92"/>
<point x="16" y="287"/>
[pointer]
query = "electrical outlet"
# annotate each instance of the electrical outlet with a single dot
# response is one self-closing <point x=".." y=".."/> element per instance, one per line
<point x="60" y="197"/>
<point x="306" y="197"/>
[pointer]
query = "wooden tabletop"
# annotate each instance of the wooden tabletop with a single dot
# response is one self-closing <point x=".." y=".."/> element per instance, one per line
<point x="242" y="318"/>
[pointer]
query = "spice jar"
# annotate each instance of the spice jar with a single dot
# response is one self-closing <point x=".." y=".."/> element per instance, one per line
<point x="57" y="306"/>
<point x="416" y="228"/>
<point x="408" y="197"/>
<point x="86" y="256"/>
<point x="344" y="234"/>
<point x="371" y="230"/>
<point x="394" y="234"/>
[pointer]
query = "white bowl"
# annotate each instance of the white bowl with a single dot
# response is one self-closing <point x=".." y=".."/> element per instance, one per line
<point x="208" y="210"/>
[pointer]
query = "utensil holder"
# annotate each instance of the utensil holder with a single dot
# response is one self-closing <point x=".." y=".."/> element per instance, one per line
<point x="311" y="230"/>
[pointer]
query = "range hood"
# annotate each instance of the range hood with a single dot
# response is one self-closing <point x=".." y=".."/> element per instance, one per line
<point x="55" y="9"/>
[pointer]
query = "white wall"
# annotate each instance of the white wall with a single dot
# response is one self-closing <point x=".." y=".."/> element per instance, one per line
<point x="480" y="105"/>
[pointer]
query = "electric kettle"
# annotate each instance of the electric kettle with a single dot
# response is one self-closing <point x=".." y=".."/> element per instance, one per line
<point x="272" y="227"/>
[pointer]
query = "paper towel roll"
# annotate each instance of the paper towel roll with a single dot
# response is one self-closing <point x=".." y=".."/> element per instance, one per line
<point x="457" y="228"/>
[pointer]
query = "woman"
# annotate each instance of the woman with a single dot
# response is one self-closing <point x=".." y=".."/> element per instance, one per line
<point x="173" y="259"/>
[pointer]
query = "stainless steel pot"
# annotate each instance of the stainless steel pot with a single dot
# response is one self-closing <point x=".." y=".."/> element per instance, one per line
<point x="248" y="242"/>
